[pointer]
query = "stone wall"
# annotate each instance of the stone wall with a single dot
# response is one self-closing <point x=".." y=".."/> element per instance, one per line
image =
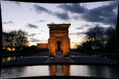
<point x="42" y="46"/>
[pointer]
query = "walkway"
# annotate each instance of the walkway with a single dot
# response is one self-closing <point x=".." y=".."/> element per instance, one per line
<point x="72" y="59"/>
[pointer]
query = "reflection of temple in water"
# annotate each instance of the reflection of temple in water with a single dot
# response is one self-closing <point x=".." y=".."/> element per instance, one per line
<point x="59" y="70"/>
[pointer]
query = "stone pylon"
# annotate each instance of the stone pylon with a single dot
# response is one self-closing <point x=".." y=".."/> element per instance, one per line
<point x="59" y="39"/>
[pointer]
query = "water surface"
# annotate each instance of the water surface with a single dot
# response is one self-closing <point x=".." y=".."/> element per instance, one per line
<point x="60" y="70"/>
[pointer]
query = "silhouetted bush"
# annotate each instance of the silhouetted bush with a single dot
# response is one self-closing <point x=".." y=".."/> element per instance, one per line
<point x="111" y="46"/>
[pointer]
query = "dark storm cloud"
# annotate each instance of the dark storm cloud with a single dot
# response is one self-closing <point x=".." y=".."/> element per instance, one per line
<point x="32" y="26"/>
<point x="62" y="15"/>
<point x="8" y="22"/>
<point x="73" y="8"/>
<point x="76" y="17"/>
<point x="33" y="34"/>
<point x="34" y="40"/>
<point x="39" y="8"/>
<point x="104" y="14"/>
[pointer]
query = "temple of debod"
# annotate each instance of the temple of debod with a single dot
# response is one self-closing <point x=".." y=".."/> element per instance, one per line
<point x="58" y="41"/>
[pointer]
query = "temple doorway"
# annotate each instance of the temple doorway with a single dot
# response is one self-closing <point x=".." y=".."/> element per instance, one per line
<point x="59" y="51"/>
<point x="58" y="46"/>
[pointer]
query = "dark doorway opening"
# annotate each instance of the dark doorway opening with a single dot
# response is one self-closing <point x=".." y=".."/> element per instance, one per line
<point x="58" y="46"/>
<point x="59" y="52"/>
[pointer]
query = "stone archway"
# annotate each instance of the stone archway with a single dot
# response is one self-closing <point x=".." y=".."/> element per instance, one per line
<point x="59" y="39"/>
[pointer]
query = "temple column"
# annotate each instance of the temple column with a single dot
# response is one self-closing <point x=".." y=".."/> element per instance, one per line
<point x="52" y="47"/>
<point x="66" y="46"/>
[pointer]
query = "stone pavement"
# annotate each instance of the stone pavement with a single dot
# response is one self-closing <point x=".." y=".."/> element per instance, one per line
<point x="45" y="60"/>
<point x="59" y="60"/>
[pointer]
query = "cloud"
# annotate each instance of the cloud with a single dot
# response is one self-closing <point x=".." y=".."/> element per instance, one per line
<point x="73" y="8"/>
<point x="79" y="28"/>
<point x="32" y="26"/>
<point x="42" y="20"/>
<point x="52" y="23"/>
<point x="62" y="15"/>
<point x="40" y="9"/>
<point x="104" y="14"/>
<point x="34" y="40"/>
<point x="72" y="33"/>
<point x="42" y="31"/>
<point x="39" y="21"/>
<point x="82" y="27"/>
<point x="79" y="33"/>
<point x="17" y="3"/>
<point x="8" y="22"/>
<point x="76" y="17"/>
<point x="33" y="34"/>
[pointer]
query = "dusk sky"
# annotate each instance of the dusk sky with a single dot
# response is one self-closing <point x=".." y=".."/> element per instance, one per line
<point x="34" y="17"/>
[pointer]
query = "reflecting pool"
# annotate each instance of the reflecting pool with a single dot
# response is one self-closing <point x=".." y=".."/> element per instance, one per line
<point x="60" y="70"/>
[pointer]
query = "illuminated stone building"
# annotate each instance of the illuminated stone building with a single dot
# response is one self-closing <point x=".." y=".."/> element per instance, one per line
<point x="59" y="40"/>
<point x="42" y="46"/>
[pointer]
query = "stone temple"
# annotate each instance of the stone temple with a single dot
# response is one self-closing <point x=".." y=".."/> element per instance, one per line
<point x="58" y="42"/>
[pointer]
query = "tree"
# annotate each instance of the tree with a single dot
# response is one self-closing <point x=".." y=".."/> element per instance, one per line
<point x="21" y="39"/>
<point x="16" y="39"/>
<point x="110" y="33"/>
<point x="87" y="45"/>
<point x="95" y="36"/>
<point x="95" y="33"/>
<point x="111" y="45"/>
<point x="5" y="40"/>
<point x="12" y="38"/>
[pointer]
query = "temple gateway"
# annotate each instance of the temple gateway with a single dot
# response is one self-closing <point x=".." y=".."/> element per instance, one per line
<point x="58" y="42"/>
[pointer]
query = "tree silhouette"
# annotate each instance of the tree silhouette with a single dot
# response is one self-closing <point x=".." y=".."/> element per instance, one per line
<point x="95" y="36"/>
<point x="111" y="45"/>
<point x="87" y="45"/>
<point x="21" y="39"/>
<point x="110" y="32"/>
<point x="15" y="39"/>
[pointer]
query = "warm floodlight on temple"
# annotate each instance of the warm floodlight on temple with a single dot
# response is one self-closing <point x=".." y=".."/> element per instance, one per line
<point x="59" y="40"/>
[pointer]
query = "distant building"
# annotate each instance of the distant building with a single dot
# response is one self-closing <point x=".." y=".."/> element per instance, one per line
<point x="42" y="46"/>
